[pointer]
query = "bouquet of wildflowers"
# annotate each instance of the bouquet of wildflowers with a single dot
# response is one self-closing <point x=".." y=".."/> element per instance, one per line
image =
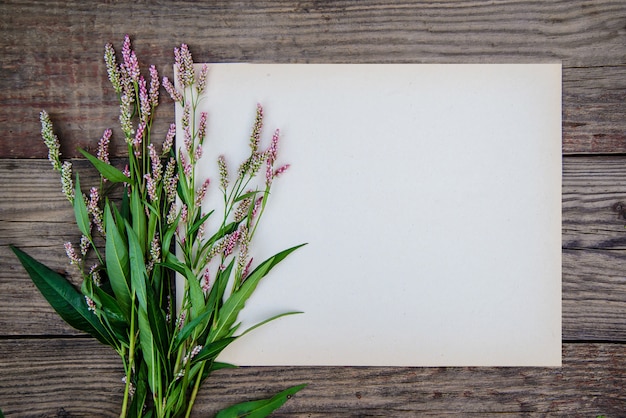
<point x="127" y="297"/>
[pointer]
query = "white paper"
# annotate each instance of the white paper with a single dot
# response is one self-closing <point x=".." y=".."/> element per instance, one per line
<point x="430" y="199"/>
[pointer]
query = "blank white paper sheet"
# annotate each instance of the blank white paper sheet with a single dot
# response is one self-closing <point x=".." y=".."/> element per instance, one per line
<point x="430" y="199"/>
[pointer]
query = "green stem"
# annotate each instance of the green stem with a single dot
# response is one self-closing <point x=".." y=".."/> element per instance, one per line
<point x="131" y="357"/>
<point x="196" y="386"/>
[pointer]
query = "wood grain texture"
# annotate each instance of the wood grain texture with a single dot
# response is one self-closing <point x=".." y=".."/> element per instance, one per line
<point x="56" y="377"/>
<point x="51" y="59"/>
<point x="52" y="53"/>
<point x="35" y="216"/>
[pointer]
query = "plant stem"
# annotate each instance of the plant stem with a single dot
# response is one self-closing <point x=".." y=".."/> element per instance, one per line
<point x="131" y="357"/>
<point x="196" y="386"/>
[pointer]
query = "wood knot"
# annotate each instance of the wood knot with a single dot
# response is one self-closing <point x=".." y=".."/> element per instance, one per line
<point x="620" y="209"/>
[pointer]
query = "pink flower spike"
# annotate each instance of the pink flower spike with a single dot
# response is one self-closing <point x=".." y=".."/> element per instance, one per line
<point x="130" y="60"/>
<point x="183" y="213"/>
<point x="144" y="100"/>
<point x="201" y="192"/>
<point x="281" y="170"/>
<point x="205" y="283"/>
<point x="202" y="126"/>
<point x="198" y="154"/>
<point x="255" y="136"/>
<point x="91" y="305"/>
<point x="169" y="139"/>
<point x="171" y="90"/>
<point x="232" y="242"/>
<point x="202" y="78"/>
<point x="154" y="86"/>
<point x="103" y="146"/>
<point x="246" y="270"/>
<point x="271" y="152"/>
<point x="139" y="136"/>
<point x="151" y="186"/>
<point x="71" y="253"/>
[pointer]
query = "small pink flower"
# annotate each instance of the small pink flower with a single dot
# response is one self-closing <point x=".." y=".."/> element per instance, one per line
<point x="71" y="254"/>
<point x="154" y="86"/>
<point x="171" y="90"/>
<point x="255" y="136"/>
<point x="91" y="305"/>
<point x="183" y="213"/>
<point x="246" y="270"/>
<point x="131" y="65"/>
<point x="202" y="126"/>
<point x="205" y="283"/>
<point x="151" y="187"/>
<point x="202" y="78"/>
<point x="201" y="192"/>
<point x="281" y="170"/>
<point x="169" y="139"/>
<point x="145" y="106"/>
<point x="103" y="146"/>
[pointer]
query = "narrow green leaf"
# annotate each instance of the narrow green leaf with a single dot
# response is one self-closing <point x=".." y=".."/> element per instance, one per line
<point x="167" y="240"/>
<point x="80" y="211"/>
<point x="138" y="219"/>
<point x="216" y="365"/>
<point x="150" y="355"/>
<point x="137" y="405"/>
<point x="115" y="317"/>
<point x="260" y="408"/>
<point x="199" y="222"/>
<point x="196" y="296"/>
<point x="68" y="302"/>
<point x="252" y="328"/>
<point x="125" y="206"/>
<point x="138" y="274"/>
<point x="235" y="303"/>
<point x="118" y="266"/>
<point x="175" y="264"/>
<point x="108" y="171"/>
<point x="157" y="324"/>
<point x="246" y="195"/>
<point x="189" y="328"/>
<point x="211" y="351"/>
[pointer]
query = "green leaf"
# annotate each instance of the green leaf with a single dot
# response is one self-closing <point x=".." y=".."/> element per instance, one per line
<point x="167" y="240"/>
<point x="138" y="219"/>
<point x="196" y="296"/>
<point x="246" y="195"/>
<point x="139" y="399"/>
<point x="150" y="354"/>
<point x="211" y="351"/>
<point x="80" y="211"/>
<point x="118" y="266"/>
<point x="157" y="324"/>
<point x="235" y="303"/>
<point x="68" y="302"/>
<point x="260" y="408"/>
<point x="199" y="222"/>
<point x="252" y="328"/>
<point x="115" y="317"/>
<point x="188" y="329"/>
<point x="175" y="264"/>
<point x="108" y="171"/>
<point x="138" y="274"/>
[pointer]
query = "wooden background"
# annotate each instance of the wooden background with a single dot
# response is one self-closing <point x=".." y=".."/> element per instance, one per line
<point x="50" y="57"/>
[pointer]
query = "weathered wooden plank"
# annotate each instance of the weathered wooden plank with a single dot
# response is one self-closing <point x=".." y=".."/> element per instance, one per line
<point x="35" y="215"/>
<point x="594" y="202"/>
<point x="52" y="53"/>
<point x="82" y="378"/>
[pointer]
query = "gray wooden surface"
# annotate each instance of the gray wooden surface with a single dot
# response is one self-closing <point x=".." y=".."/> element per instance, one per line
<point x="51" y="58"/>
